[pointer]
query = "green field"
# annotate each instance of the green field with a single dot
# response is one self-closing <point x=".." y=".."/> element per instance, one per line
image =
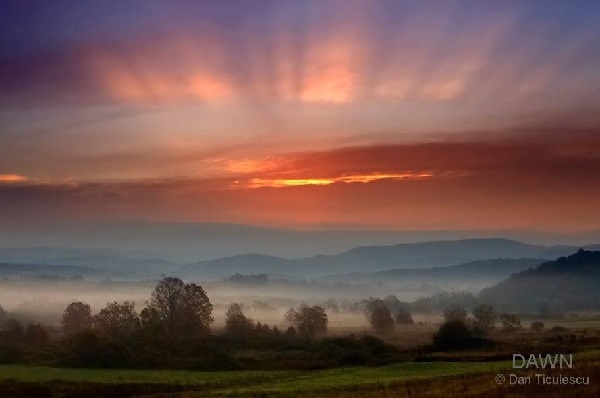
<point x="282" y="382"/>
<point x="254" y="380"/>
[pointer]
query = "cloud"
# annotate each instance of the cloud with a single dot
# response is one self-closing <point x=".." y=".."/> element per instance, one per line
<point x="12" y="178"/>
<point x="544" y="181"/>
<point x="315" y="53"/>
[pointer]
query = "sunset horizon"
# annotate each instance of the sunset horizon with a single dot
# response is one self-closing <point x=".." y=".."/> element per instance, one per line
<point x="383" y="114"/>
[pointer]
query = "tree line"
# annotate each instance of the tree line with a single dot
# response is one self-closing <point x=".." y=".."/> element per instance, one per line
<point x="173" y="330"/>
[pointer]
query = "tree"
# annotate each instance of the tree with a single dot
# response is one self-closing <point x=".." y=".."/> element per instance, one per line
<point x="77" y="318"/>
<point x="237" y="324"/>
<point x="403" y="317"/>
<point x="455" y="313"/>
<point x="394" y="304"/>
<point x="331" y="306"/>
<point x="3" y="315"/>
<point x="537" y="326"/>
<point x="452" y="335"/>
<point x="510" y="322"/>
<point x="308" y="321"/>
<point x="485" y="318"/>
<point x="14" y="330"/>
<point x="379" y="316"/>
<point x="36" y="334"/>
<point x="118" y="319"/>
<point x="183" y="310"/>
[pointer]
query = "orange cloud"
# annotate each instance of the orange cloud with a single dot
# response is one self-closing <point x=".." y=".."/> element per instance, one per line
<point x="331" y="72"/>
<point x="280" y="183"/>
<point x="12" y="178"/>
<point x="141" y="75"/>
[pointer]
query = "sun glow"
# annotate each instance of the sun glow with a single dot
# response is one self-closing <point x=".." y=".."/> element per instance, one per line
<point x="280" y="183"/>
<point x="12" y="178"/>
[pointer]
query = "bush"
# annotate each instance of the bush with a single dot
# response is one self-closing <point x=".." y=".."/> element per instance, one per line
<point x="537" y="326"/>
<point x="453" y="335"/>
<point x="355" y="358"/>
<point x="455" y="312"/>
<point x="510" y="322"/>
<point x="10" y="352"/>
<point x="379" y="316"/>
<point x="36" y="334"/>
<point x="403" y="317"/>
<point x="485" y="318"/>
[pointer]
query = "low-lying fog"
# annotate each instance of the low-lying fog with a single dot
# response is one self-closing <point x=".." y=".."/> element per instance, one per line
<point x="45" y="300"/>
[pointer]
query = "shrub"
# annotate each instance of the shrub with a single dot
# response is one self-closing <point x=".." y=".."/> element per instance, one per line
<point x="510" y="322"/>
<point x="455" y="313"/>
<point x="537" y="326"/>
<point x="452" y="335"/>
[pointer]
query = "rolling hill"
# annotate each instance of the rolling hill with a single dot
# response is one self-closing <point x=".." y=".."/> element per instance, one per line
<point x="16" y="270"/>
<point x="568" y="283"/>
<point x="473" y="272"/>
<point x="374" y="259"/>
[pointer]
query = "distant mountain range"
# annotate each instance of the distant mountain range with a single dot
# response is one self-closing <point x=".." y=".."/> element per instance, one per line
<point x="568" y="283"/>
<point x="366" y="263"/>
<point x="95" y="263"/>
<point x="474" y="272"/>
<point x="376" y="258"/>
<point x="15" y="270"/>
<point x="186" y="242"/>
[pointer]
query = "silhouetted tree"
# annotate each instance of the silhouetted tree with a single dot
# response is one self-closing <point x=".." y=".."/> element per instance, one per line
<point x="484" y="318"/>
<point x="379" y="316"/>
<point x="291" y="332"/>
<point x="183" y="310"/>
<point x="117" y="320"/>
<point x="237" y="324"/>
<point x="403" y="317"/>
<point x="14" y="330"/>
<point x="308" y="321"/>
<point x="77" y="318"/>
<point x="537" y="326"/>
<point x="455" y="313"/>
<point x="510" y="322"/>
<point x="331" y="306"/>
<point x="3" y="315"/>
<point x="150" y="320"/>
<point x="36" y="334"/>
<point x="394" y="304"/>
<point x="452" y="335"/>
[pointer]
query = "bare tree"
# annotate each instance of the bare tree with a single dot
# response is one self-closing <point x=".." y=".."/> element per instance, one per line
<point x="118" y="319"/>
<point x="77" y="318"/>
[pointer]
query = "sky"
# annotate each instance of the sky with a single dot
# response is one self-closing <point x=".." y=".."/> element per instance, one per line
<point x="303" y="114"/>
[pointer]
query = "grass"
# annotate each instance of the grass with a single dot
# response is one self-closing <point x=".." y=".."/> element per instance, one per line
<point x="252" y="381"/>
<point x="278" y="383"/>
<point x="358" y="377"/>
<point x="36" y="374"/>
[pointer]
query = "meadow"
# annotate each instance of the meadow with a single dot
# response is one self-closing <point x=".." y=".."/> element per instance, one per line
<point x="408" y="379"/>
